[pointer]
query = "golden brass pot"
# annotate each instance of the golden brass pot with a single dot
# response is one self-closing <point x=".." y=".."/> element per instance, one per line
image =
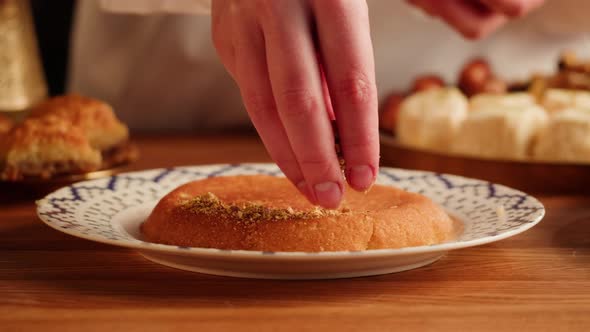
<point x="22" y="81"/>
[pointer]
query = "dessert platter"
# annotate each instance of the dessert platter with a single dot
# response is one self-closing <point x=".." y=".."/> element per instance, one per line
<point x="533" y="135"/>
<point x="61" y="140"/>
<point x="247" y="220"/>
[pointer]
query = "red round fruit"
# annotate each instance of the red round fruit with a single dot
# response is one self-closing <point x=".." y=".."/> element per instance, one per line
<point x="427" y="82"/>
<point x="474" y="76"/>
<point x="389" y="112"/>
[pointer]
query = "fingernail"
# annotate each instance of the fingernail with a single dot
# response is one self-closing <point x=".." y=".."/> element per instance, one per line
<point x="328" y="194"/>
<point x="361" y="177"/>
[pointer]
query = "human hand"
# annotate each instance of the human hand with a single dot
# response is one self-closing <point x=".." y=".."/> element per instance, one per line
<point x="274" y="50"/>
<point x="475" y="19"/>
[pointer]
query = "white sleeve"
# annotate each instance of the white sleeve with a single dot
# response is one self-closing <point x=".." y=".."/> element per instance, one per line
<point x="145" y="7"/>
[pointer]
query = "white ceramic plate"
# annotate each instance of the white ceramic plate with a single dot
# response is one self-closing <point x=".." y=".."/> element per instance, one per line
<point x="110" y="210"/>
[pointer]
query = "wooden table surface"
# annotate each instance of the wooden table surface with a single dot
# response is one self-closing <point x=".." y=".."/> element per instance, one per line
<point x="49" y="281"/>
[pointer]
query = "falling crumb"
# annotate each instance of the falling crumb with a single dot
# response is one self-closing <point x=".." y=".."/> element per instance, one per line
<point x="501" y="212"/>
<point x="209" y="204"/>
<point x="341" y="160"/>
<point x="342" y="164"/>
<point x="369" y="189"/>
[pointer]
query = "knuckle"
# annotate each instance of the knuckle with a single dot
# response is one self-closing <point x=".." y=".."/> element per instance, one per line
<point x="356" y="89"/>
<point x="516" y="8"/>
<point x="332" y="5"/>
<point x="297" y="103"/>
<point x="320" y="167"/>
<point x="359" y="145"/>
<point x="289" y="167"/>
<point x="270" y="9"/>
<point x="474" y="33"/>
<point x="285" y="161"/>
<point x="338" y="7"/>
<point x="259" y="106"/>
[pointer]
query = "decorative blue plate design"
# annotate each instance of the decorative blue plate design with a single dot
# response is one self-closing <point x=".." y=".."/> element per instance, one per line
<point x="94" y="209"/>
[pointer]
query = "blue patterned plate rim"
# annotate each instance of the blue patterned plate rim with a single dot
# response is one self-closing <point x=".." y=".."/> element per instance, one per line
<point x="533" y="206"/>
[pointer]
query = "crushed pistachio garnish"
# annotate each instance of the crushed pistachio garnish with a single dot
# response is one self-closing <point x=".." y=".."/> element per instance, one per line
<point x="211" y="205"/>
<point x="341" y="160"/>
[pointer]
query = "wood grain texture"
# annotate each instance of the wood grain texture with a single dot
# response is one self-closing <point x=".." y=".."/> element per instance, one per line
<point x="536" y="281"/>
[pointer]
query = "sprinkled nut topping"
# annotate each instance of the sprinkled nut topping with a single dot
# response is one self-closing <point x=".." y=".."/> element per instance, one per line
<point x="211" y="205"/>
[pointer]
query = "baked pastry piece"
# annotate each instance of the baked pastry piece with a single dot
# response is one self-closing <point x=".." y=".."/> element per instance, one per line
<point x="502" y="101"/>
<point x="566" y="138"/>
<point x="46" y="146"/>
<point x="5" y="124"/>
<point x="267" y="213"/>
<point x="555" y="100"/>
<point x="96" y="119"/>
<point x="500" y="132"/>
<point x="431" y="118"/>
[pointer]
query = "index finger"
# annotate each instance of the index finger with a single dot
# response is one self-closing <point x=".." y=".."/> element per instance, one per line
<point x="296" y="85"/>
<point x="346" y="48"/>
<point x="473" y="19"/>
<point x="513" y="8"/>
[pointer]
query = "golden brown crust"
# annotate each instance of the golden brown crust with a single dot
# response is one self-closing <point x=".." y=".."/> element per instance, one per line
<point x="96" y="119"/>
<point x="68" y="134"/>
<point x="119" y="155"/>
<point x="5" y="124"/>
<point x="46" y="146"/>
<point x="206" y="213"/>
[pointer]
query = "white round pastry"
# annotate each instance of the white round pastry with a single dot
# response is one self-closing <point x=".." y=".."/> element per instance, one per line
<point x="566" y="138"/>
<point x="430" y="119"/>
<point x="510" y="100"/>
<point x="500" y="132"/>
<point x="561" y="99"/>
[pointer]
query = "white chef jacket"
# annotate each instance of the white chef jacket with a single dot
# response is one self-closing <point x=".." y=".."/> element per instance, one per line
<point x="154" y="61"/>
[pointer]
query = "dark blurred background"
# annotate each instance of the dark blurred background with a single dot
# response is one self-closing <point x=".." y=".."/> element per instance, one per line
<point x="53" y="24"/>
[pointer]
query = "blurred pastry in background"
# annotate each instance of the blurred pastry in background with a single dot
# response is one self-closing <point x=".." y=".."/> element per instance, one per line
<point x="43" y="147"/>
<point x="96" y="119"/>
<point x="566" y="138"/>
<point x="572" y="73"/>
<point x="65" y="135"/>
<point x="5" y="124"/>
<point x="500" y="130"/>
<point x="430" y="119"/>
<point x="389" y="111"/>
<point x="504" y="101"/>
<point x="486" y="117"/>
<point x="427" y="82"/>
<point x="555" y="100"/>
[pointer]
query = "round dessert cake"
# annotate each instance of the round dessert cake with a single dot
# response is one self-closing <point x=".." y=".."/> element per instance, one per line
<point x="267" y="213"/>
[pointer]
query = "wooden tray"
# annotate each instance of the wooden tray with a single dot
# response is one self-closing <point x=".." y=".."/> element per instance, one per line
<point x="532" y="177"/>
